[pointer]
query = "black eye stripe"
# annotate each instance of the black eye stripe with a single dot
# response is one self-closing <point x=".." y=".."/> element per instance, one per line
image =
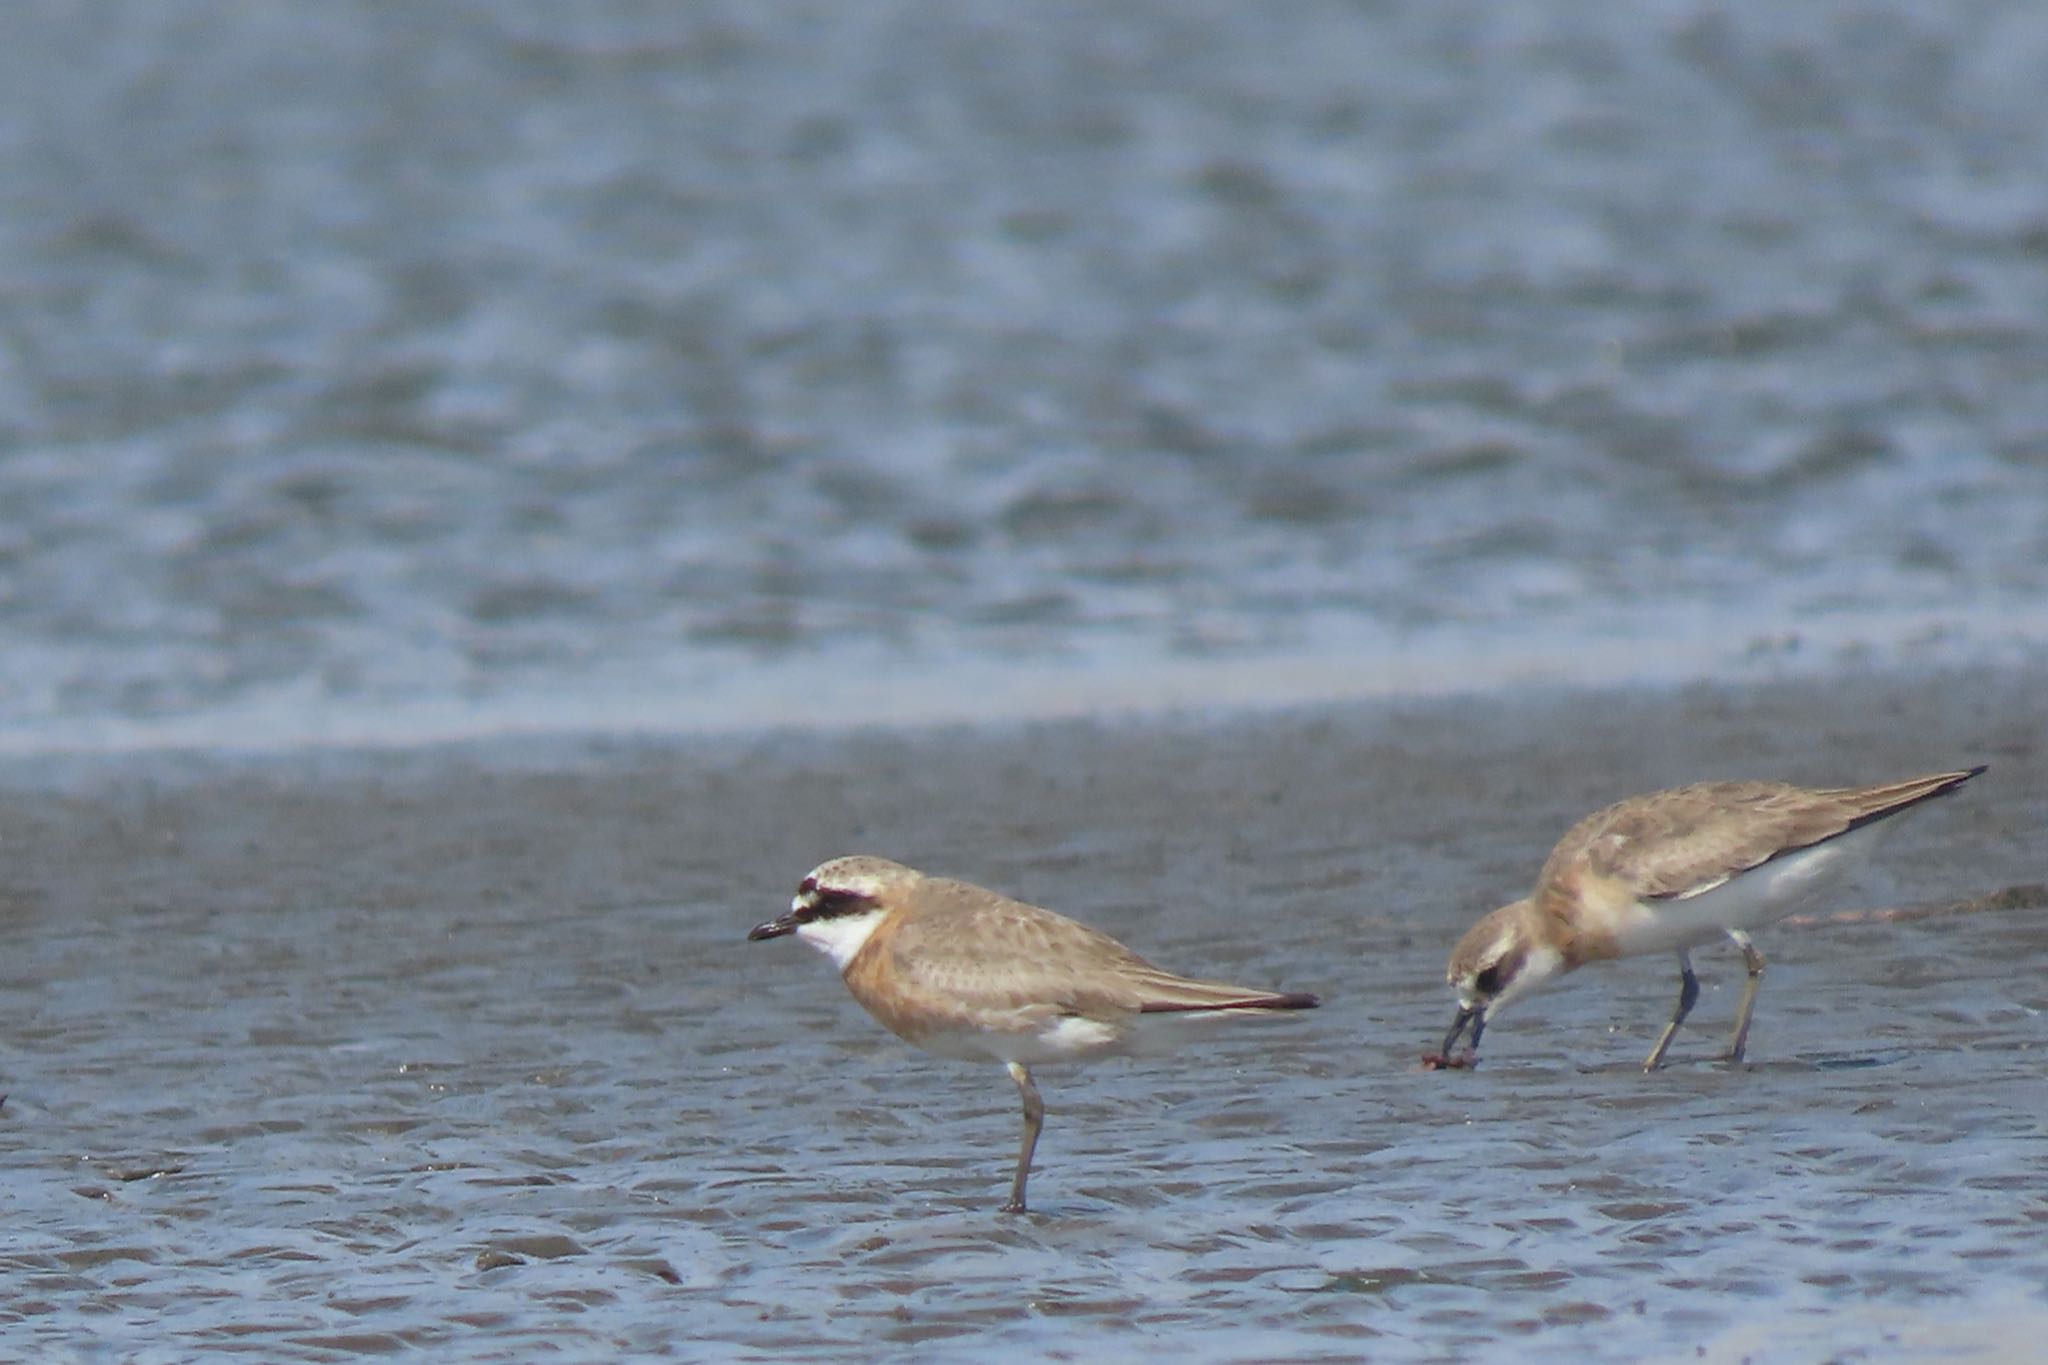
<point x="831" y="902"/>
<point x="1501" y="974"/>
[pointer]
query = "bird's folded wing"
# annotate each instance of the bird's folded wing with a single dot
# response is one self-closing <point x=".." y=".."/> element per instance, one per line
<point x="1688" y="841"/>
<point x="1012" y="957"/>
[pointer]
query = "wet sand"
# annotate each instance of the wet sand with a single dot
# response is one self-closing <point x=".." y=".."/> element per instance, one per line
<point x="333" y="1054"/>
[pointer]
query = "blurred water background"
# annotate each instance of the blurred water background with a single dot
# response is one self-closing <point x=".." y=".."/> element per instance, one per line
<point x="384" y="371"/>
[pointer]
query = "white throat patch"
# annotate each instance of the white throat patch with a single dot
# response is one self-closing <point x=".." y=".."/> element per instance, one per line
<point x="842" y="937"/>
<point x="1543" y="966"/>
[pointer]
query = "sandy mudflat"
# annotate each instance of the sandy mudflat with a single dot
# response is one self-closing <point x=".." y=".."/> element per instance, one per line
<point x="326" y="1054"/>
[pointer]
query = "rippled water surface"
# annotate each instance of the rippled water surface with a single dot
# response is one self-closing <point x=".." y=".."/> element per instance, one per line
<point x="322" y="1057"/>
<point x="376" y="369"/>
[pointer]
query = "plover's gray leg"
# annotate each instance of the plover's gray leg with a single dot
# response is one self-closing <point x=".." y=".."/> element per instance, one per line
<point x="1688" y="996"/>
<point x="1754" y="960"/>
<point x="1034" y="1119"/>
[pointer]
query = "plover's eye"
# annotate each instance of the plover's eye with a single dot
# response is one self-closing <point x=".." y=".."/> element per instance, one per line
<point x="829" y="901"/>
<point x="807" y="886"/>
<point x="1488" y="981"/>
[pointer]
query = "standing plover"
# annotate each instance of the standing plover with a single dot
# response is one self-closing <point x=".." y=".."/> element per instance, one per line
<point x="966" y="973"/>
<point x="1667" y="872"/>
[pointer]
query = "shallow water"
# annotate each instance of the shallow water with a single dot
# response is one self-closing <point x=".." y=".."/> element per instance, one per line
<point x="331" y="1055"/>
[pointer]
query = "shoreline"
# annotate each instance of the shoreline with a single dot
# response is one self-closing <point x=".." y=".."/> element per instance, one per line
<point x="858" y="689"/>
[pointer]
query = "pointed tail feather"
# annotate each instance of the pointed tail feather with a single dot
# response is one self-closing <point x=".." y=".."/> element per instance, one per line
<point x="1277" y="1000"/>
<point x="1893" y="797"/>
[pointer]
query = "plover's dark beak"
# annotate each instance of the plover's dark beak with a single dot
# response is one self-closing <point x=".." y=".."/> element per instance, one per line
<point x="1473" y="1015"/>
<point x="774" y="928"/>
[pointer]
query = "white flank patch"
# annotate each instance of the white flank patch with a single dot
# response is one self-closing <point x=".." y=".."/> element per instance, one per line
<point x="1074" y="1036"/>
<point x="1750" y="899"/>
<point x="1068" y="1038"/>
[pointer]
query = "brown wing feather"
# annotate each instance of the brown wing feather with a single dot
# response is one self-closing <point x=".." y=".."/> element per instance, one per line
<point x="1049" y="961"/>
<point x="1688" y="840"/>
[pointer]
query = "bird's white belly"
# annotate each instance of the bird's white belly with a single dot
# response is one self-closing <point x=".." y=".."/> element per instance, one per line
<point x="1760" y="896"/>
<point x="1068" y="1038"/>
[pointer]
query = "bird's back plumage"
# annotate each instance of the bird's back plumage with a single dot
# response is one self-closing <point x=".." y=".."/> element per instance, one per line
<point x="1689" y="840"/>
<point x="957" y="952"/>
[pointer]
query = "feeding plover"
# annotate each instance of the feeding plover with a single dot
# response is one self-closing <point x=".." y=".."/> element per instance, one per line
<point x="1667" y="872"/>
<point x="966" y="973"/>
